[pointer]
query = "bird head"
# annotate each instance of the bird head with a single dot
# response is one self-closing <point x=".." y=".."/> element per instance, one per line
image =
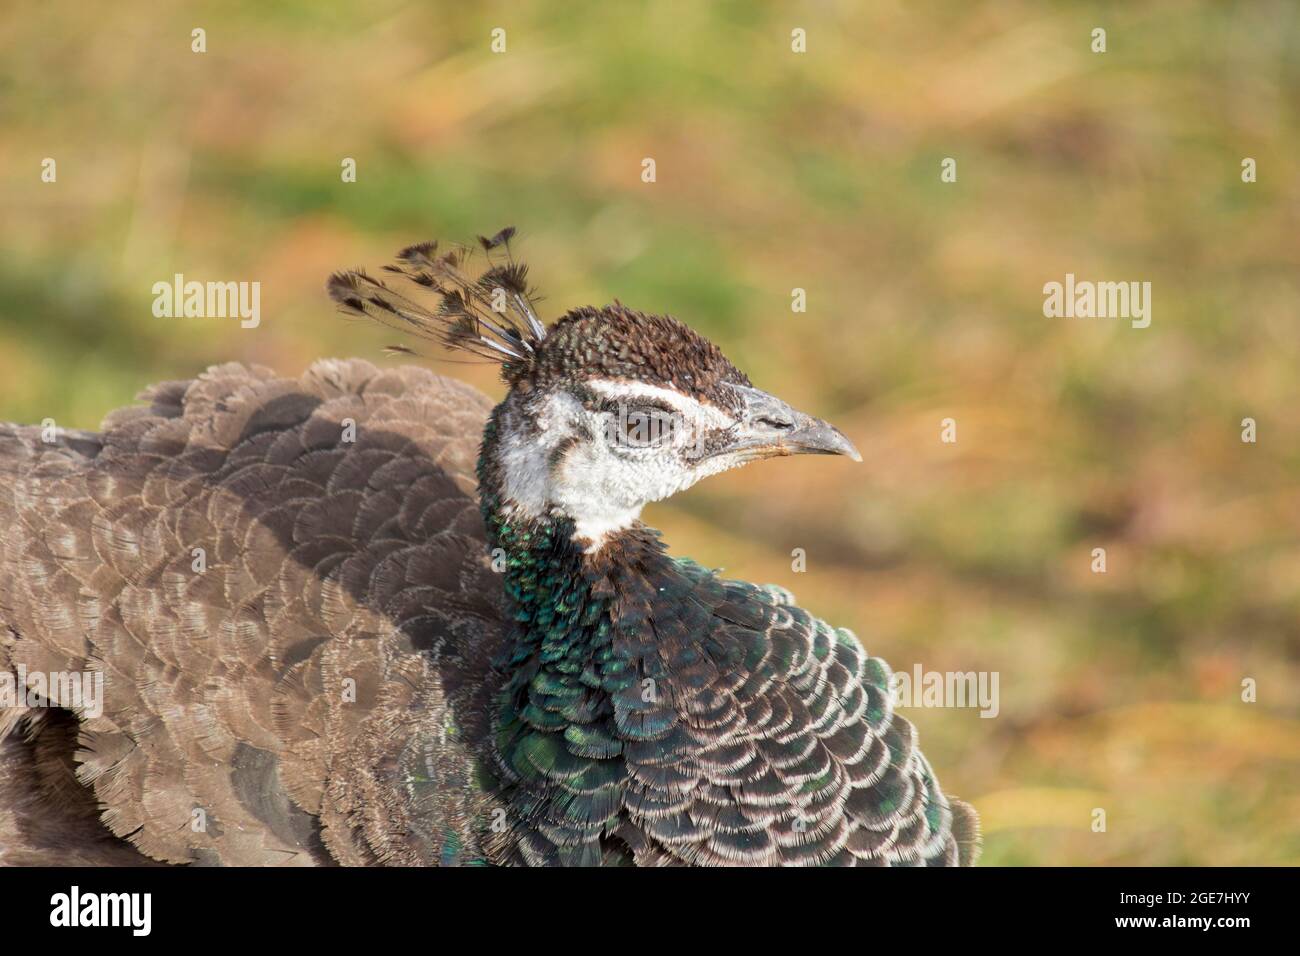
<point x="608" y="409"/>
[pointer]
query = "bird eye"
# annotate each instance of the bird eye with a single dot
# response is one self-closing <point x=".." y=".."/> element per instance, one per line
<point x="644" y="427"/>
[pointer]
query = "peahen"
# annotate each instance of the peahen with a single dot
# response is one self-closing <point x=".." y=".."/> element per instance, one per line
<point x="333" y="627"/>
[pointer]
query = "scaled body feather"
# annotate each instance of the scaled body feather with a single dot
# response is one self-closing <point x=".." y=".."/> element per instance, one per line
<point x="293" y="619"/>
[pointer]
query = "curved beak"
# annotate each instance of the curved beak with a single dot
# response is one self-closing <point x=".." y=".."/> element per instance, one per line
<point x="817" y="437"/>
<point x="771" y="428"/>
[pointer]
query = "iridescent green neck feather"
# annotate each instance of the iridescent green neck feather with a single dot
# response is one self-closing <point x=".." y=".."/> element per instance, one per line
<point x="583" y="680"/>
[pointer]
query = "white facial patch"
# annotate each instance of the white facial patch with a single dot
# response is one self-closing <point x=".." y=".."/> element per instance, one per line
<point x="526" y="449"/>
<point x="600" y="480"/>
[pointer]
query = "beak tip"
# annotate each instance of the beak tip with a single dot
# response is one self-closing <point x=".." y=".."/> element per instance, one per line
<point x="841" y="445"/>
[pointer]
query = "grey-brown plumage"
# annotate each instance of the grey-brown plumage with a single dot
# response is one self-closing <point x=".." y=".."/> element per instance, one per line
<point x="333" y="628"/>
<point x="284" y="585"/>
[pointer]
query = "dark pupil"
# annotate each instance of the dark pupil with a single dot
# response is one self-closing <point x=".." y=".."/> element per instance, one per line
<point x="644" y="427"/>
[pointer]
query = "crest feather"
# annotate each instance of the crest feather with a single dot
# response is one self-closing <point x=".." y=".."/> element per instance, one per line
<point x="489" y="315"/>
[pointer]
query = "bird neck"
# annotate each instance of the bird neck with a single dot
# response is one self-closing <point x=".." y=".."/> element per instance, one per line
<point x="578" y="618"/>
<point x="610" y="653"/>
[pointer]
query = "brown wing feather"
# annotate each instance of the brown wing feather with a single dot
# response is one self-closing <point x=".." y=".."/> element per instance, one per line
<point x="284" y="585"/>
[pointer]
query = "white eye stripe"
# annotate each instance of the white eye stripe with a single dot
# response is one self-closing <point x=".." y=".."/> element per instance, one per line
<point x="632" y="392"/>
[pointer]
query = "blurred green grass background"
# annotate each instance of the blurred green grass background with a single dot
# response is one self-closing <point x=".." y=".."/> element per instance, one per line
<point x="775" y="171"/>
